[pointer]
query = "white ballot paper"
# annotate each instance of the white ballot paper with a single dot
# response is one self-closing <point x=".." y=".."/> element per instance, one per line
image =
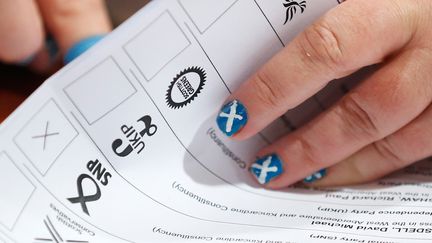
<point x="122" y="144"/>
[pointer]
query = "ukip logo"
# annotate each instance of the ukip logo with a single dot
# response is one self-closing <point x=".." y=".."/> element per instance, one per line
<point x="292" y="7"/>
<point x="134" y="139"/>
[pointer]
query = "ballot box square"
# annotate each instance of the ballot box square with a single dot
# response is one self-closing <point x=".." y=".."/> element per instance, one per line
<point x="15" y="193"/>
<point x="157" y="45"/>
<point x="205" y="13"/>
<point x="100" y="90"/>
<point x="45" y="136"/>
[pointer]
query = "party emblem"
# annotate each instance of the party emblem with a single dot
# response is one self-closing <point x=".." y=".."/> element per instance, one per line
<point x="185" y="87"/>
<point x="292" y="7"/>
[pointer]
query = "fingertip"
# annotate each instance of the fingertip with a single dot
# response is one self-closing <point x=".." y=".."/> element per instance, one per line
<point x="23" y="54"/>
<point x="44" y="57"/>
<point x="266" y="169"/>
<point x="69" y="22"/>
<point x="80" y="47"/>
<point x="341" y="174"/>
<point x="22" y="37"/>
<point x="26" y="61"/>
<point x="315" y="177"/>
<point x="232" y="118"/>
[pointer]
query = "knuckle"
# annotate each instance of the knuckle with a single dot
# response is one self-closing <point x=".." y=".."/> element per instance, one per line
<point x="362" y="175"/>
<point x="357" y="120"/>
<point x="72" y="9"/>
<point x="386" y="149"/>
<point x="69" y="8"/>
<point x="310" y="156"/>
<point x="321" y="45"/>
<point x="267" y="90"/>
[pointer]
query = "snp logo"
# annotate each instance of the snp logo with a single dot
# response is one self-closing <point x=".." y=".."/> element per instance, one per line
<point x="133" y="139"/>
<point x="96" y="174"/>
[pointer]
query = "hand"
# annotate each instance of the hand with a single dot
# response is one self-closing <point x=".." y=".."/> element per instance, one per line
<point x="25" y="26"/>
<point x="381" y="126"/>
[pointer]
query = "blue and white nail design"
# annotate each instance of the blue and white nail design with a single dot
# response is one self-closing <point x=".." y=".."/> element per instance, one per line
<point x="232" y="118"/>
<point x="315" y="176"/>
<point x="267" y="168"/>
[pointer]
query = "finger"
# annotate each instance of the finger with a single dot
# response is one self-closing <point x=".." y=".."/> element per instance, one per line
<point x="47" y="60"/>
<point x="408" y="145"/>
<point x="22" y="30"/>
<point x="388" y="100"/>
<point x="71" y="21"/>
<point x="342" y="41"/>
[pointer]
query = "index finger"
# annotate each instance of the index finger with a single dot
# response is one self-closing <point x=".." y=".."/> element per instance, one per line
<point x="72" y="21"/>
<point x="349" y="37"/>
<point x="22" y="30"/>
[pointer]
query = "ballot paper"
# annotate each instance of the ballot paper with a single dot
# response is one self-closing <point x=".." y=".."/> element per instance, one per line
<point x="122" y="144"/>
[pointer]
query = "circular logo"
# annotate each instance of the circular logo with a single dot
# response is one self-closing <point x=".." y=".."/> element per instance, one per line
<point x="185" y="87"/>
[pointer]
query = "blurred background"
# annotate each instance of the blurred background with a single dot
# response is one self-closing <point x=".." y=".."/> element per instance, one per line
<point x="17" y="83"/>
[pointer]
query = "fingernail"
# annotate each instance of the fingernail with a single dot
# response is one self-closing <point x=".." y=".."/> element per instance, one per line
<point x="52" y="48"/>
<point x="80" y="47"/>
<point x="232" y="118"/>
<point x="267" y="168"/>
<point x="315" y="176"/>
<point x="27" y="61"/>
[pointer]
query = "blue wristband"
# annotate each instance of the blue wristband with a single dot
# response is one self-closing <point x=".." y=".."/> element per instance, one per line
<point x="80" y="47"/>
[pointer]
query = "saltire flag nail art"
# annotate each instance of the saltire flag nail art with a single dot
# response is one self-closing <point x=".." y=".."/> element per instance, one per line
<point x="232" y="118"/>
<point x="315" y="176"/>
<point x="267" y="168"/>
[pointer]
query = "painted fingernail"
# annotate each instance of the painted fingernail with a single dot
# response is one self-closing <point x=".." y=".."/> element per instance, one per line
<point x="315" y="176"/>
<point x="52" y="48"/>
<point x="267" y="168"/>
<point x="27" y="61"/>
<point x="232" y="118"/>
<point x="80" y="47"/>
